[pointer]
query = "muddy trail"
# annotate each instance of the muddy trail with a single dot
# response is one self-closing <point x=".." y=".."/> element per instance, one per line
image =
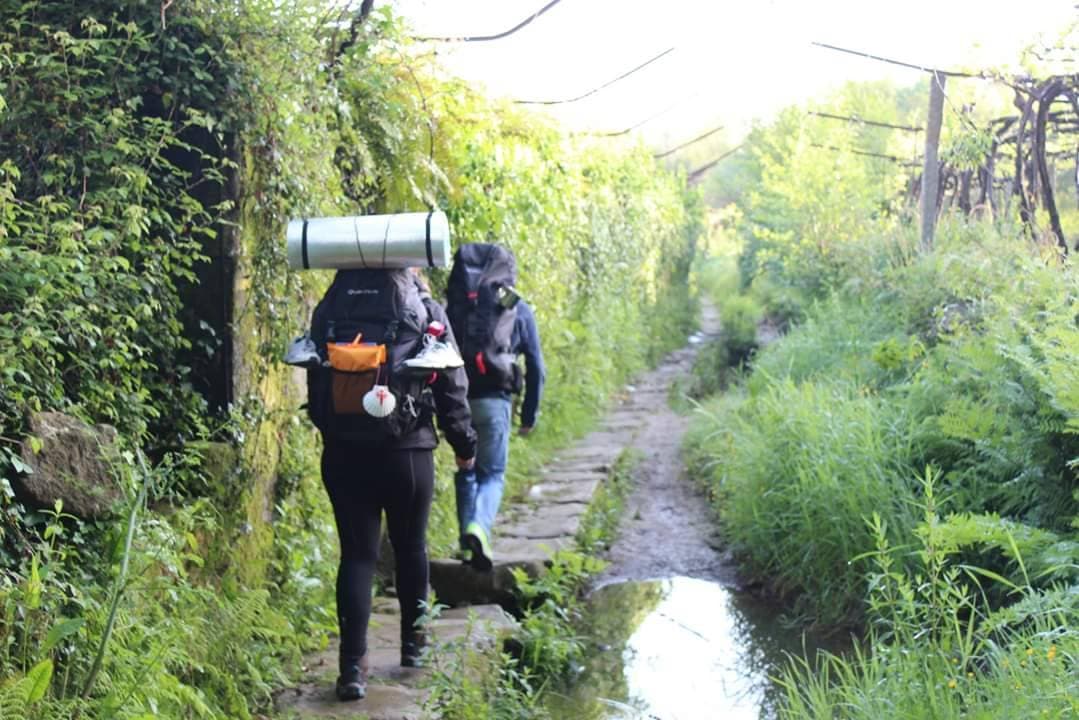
<point x="667" y="527"/>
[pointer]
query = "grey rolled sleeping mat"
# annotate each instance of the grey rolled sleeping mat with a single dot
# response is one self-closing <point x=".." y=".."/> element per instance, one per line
<point x="369" y="241"/>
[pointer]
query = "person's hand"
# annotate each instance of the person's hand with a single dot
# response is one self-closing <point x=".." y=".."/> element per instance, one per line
<point x="466" y="463"/>
<point x="524" y="430"/>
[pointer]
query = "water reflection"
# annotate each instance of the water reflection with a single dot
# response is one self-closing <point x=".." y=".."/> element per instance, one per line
<point x="678" y="649"/>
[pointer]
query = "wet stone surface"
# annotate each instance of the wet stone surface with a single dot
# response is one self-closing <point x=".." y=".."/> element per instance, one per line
<point x="394" y="692"/>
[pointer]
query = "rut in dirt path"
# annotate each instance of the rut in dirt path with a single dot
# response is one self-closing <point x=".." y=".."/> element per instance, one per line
<point x="667" y="528"/>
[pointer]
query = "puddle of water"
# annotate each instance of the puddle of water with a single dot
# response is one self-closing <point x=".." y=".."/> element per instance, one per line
<point x="678" y="649"/>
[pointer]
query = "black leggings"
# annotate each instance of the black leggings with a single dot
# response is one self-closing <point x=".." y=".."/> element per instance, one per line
<point x="362" y="483"/>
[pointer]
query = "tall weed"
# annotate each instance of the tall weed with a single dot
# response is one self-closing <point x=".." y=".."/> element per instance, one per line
<point x="797" y="469"/>
<point x="937" y="649"/>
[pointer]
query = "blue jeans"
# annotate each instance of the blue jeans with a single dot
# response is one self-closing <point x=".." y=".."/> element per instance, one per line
<point x="479" y="491"/>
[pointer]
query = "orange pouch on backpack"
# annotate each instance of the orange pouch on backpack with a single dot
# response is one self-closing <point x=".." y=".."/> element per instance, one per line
<point x="355" y="371"/>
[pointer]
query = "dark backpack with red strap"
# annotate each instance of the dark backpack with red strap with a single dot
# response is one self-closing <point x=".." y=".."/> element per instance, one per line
<point x="481" y="317"/>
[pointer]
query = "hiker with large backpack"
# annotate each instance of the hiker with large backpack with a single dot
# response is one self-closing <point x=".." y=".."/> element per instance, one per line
<point x="382" y="364"/>
<point x="493" y="326"/>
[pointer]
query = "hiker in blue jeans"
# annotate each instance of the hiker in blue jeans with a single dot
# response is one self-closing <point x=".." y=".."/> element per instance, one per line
<point x="479" y="490"/>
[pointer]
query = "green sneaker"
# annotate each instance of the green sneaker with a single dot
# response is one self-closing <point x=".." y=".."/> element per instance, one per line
<point x="464" y="555"/>
<point x="477" y="542"/>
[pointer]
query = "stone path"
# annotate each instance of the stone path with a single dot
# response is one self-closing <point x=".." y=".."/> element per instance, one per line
<point x="394" y="692"/>
<point x="527" y="535"/>
<point x="667" y="528"/>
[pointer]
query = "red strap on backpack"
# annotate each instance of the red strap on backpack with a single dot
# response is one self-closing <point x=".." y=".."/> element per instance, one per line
<point x="480" y="364"/>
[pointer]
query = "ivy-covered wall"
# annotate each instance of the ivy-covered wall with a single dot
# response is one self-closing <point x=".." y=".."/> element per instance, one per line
<point x="150" y="157"/>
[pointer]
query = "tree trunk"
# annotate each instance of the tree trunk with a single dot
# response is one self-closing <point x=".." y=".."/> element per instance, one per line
<point x="964" y="191"/>
<point x="1048" y="93"/>
<point x="1026" y="209"/>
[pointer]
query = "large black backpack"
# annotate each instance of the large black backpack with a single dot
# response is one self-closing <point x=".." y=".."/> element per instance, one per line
<point x="383" y="307"/>
<point x="482" y="325"/>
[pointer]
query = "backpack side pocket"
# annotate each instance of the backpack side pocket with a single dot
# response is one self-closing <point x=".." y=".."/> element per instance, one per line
<point x="355" y="368"/>
<point x="348" y="388"/>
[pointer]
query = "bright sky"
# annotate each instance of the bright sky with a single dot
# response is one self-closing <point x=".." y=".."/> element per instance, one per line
<point x="733" y="61"/>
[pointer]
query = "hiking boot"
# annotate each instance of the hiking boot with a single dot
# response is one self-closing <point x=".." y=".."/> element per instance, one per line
<point x="435" y="355"/>
<point x="412" y="649"/>
<point x="476" y="540"/>
<point x="352" y="682"/>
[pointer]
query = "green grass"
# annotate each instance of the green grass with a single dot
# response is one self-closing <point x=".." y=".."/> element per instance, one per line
<point x="795" y="470"/>
<point x="906" y="459"/>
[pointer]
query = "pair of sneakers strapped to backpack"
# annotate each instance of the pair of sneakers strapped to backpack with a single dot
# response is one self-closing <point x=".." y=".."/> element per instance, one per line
<point x="436" y="353"/>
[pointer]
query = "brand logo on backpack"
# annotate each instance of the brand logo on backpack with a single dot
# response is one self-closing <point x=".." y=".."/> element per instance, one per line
<point x="362" y="291"/>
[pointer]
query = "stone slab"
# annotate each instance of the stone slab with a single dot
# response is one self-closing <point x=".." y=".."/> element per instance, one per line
<point x="604" y="453"/>
<point x="578" y="492"/>
<point x="383" y="702"/>
<point x="456" y="583"/>
<point x="483" y="626"/>
<point x="542" y="527"/>
<point x="551" y="510"/>
<point x="574" y="465"/>
<point x="610" y="439"/>
<point x="573" y="476"/>
<point x="393" y="692"/>
<point x="532" y="550"/>
<point x="627" y="426"/>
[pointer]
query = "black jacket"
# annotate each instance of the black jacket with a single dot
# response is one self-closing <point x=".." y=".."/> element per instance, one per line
<point x="451" y="403"/>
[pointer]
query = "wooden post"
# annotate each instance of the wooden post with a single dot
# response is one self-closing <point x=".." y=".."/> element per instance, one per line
<point x="931" y="169"/>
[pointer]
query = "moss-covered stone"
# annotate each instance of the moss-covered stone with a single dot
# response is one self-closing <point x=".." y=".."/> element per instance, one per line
<point x="70" y="462"/>
<point x="220" y="462"/>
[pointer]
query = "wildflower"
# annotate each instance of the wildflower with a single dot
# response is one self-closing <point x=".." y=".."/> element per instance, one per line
<point x="970" y="674"/>
<point x="951" y="684"/>
<point x="1030" y="651"/>
<point x="1051" y="655"/>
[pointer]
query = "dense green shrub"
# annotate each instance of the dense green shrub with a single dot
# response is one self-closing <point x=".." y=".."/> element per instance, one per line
<point x="98" y="214"/>
<point x="739" y="318"/>
<point x="844" y="411"/>
<point x="853" y="338"/>
<point x="936" y="646"/>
